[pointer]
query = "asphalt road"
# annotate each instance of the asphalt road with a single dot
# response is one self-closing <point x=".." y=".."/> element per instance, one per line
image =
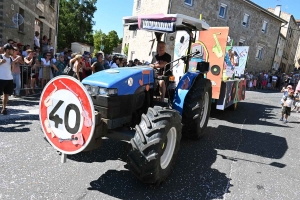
<point x="245" y="154"/>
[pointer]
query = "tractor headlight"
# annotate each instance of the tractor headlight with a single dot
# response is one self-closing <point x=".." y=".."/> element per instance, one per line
<point x="88" y="88"/>
<point x="95" y="90"/>
<point x="112" y="92"/>
<point x="103" y="91"/>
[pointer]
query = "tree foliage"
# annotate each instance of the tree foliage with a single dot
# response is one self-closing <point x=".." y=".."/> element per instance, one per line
<point x="76" y="22"/>
<point x="125" y="50"/>
<point x="109" y="41"/>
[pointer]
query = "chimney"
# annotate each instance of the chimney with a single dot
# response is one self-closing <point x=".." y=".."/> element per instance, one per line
<point x="277" y="10"/>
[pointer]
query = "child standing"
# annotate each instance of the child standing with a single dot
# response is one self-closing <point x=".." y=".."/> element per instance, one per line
<point x="254" y="83"/>
<point x="250" y="84"/>
<point x="287" y="105"/>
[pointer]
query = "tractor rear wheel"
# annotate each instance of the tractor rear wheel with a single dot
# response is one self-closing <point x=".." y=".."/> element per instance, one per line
<point x="155" y="145"/>
<point x="196" y="109"/>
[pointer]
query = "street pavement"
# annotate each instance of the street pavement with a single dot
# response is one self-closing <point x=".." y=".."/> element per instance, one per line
<point x="245" y="154"/>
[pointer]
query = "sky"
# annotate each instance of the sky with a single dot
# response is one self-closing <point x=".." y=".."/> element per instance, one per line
<point x="109" y="13"/>
<point x="288" y="6"/>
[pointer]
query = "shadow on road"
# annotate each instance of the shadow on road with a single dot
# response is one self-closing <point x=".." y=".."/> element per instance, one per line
<point x="256" y="114"/>
<point x="17" y="124"/>
<point x="193" y="176"/>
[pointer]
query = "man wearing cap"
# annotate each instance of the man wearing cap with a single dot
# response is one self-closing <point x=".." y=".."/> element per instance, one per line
<point x="6" y="78"/>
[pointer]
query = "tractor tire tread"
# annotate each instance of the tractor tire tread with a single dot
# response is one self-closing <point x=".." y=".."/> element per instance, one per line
<point x="144" y="158"/>
<point x="192" y="109"/>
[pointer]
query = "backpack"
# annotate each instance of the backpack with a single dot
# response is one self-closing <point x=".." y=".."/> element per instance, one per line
<point x="68" y="70"/>
<point x="1" y="57"/>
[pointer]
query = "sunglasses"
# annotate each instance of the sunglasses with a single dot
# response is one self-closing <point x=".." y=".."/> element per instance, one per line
<point x="48" y="55"/>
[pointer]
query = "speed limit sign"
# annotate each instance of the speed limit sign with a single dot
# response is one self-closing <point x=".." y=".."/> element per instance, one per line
<point x="67" y="114"/>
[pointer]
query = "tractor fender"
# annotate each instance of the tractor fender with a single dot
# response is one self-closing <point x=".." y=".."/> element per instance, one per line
<point x="183" y="87"/>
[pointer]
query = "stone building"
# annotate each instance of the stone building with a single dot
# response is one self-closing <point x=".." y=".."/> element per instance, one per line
<point x="250" y="25"/>
<point x="38" y="15"/>
<point x="279" y="52"/>
<point x="297" y="57"/>
<point x="291" y="32"/>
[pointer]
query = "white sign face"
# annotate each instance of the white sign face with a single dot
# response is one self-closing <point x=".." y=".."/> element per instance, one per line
<point x="71" y="118"/>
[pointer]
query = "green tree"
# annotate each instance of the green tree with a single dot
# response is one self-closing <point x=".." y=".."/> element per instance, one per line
<point x="76" y="22"/>
<point x="120" y="40"/>
<point x="99" y="38"/>
<point x="109" y="41"/>
<point x="125" y="50"/>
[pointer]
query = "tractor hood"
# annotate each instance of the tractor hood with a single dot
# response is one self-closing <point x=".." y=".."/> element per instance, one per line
<point x="126" y="79"/>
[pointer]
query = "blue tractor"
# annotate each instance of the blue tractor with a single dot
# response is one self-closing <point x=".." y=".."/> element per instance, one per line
<point x="124" y="97"/>
<point x="126" y="108"/>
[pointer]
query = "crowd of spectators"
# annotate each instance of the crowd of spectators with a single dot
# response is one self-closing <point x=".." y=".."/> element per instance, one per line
<point x="270" y="80"/>
<point x="35" y="65"/>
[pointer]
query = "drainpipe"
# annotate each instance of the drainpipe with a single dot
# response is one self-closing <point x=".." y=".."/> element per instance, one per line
<point x="56" y="31"/>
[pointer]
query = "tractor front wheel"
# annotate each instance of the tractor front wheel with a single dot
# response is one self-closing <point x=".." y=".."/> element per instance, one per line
<point x="155" y="145"/>
<point x="196" y="109"/>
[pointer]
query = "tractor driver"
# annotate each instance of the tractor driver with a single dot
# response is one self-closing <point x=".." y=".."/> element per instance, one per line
<point x="158" y="62"/>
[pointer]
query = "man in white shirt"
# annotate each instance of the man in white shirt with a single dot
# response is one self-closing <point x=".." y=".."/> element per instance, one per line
<point x="274" y="81"/>
<point x="36" y="39"/>
<point x="6" y="78"/>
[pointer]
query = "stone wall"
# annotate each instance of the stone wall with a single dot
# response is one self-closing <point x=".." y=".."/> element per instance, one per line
<point x="25" y="32"/>
<point x="291" y="32"/>
<point x="279" y="52"/>
<point x="252" y="35"/>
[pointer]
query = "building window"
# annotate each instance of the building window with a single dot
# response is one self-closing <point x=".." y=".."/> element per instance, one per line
<point x="259" y="53"/>
<point x="52" y="3"/>
<point x="134" y="33"/>
<point x="222" y="10"/>
<point x="241" y="42"/>
<point x="21" y="27"/>
<point x="277" y="51"/>
<point x="188" y="2"/>
<point x="246" y="20"/>
<point x="138" y="5"/>
<point x="264" y="27"/>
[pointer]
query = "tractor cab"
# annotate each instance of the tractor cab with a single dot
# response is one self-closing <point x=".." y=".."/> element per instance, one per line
<point x="162" y="25"/>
